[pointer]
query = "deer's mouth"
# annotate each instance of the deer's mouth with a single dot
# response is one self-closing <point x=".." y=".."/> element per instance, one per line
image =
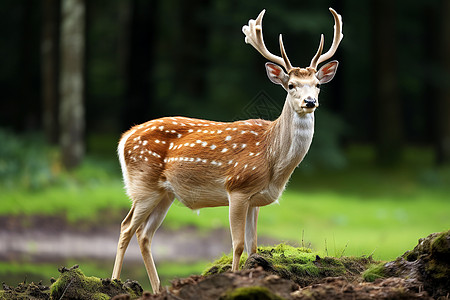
<point x="306" y="110"/>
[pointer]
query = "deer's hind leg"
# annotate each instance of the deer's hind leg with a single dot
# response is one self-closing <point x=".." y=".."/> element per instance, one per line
<point x="145" y="234"/>
<point x="250" y="230"/>
<point x="139" y="212"/>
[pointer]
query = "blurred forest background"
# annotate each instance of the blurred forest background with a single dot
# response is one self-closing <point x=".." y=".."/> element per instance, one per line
<point x="98" y="67"/>
<point x="75" y="74"/>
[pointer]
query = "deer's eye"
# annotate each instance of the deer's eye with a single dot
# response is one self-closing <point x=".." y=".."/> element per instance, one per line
<point x="318" y="85"/>
<point x="290" y="86"/>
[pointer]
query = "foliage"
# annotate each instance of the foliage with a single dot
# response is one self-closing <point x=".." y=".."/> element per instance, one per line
<point x="26" y="161"/>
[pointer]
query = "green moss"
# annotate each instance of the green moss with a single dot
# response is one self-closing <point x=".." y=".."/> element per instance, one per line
<point x="73" y="284"/>
<point x="223" y="264"/>
<point x="374" y="272"/>
<point x="298" y="264"/>
<point x="250" y="293"/>
<point x="440" y="246"/>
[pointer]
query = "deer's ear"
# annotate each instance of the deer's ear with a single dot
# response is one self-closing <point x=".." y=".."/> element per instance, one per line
<point x="276" y="74"/>
<point x="327" y="72"/>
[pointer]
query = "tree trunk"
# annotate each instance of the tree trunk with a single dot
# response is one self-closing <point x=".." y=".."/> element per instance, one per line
<point x="50" y="68"/>
<point x="386" y="101"/>
<point x="71" y="110"/>
<point x="443" y="100"/>
<point x="137" y="59"/>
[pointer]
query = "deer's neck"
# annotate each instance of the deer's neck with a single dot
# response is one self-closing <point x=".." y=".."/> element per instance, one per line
<point x="289" y="139"/>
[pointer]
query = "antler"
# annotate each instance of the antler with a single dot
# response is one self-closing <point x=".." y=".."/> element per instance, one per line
<point x="254" y="37"/>
<point x="319" y="57"/>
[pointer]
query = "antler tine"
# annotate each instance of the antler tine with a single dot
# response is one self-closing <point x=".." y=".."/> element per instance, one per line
<point x="287" y="63"/>
<point x="254" y="37"/>
<point x="318" y="53"/>
<point x="336" y="40"/>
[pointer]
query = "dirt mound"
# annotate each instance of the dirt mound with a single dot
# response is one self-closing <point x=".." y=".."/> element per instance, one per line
<point x="73" y="284"/>
<point x="300" y="265"/>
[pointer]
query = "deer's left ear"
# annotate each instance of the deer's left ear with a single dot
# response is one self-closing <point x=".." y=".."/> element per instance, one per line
<point x="327" y="72"/>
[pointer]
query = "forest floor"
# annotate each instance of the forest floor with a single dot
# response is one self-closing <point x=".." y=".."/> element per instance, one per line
<point x="422" y="273"/>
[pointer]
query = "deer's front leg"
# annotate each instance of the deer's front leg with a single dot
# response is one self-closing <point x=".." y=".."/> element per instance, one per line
<point x="238" y="215"/>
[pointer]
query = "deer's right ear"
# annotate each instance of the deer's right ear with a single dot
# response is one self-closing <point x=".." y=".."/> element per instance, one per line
<point x="276" y="74"/>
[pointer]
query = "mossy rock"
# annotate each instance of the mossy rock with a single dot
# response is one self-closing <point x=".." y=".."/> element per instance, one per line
<point x="73" y="284"/>
<point x="300" y="265"/>
<point x="428" y="263"/>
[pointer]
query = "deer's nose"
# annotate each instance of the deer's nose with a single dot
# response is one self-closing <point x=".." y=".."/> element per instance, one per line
<point x="310" y="102"/>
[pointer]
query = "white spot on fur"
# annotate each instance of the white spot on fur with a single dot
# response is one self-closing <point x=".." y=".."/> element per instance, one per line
<point x="228" y="138"/>
<point x="213" y="147"/>
<point x="204" y="144"/>
<point x="224" y="150"/>
<point x="244" y="145"/>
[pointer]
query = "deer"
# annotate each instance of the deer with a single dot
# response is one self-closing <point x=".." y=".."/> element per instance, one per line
<point x="243" y="164"/>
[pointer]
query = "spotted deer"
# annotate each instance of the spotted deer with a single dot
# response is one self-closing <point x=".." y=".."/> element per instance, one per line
<point x="243" y="165"/>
